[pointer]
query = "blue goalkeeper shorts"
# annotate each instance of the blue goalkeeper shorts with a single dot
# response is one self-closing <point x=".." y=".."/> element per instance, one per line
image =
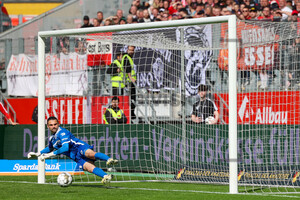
<point x="79" y="154"/>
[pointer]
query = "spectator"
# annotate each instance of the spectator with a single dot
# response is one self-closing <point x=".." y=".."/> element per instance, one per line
<point x="96" y="22"/>
<point x="6" y="114"/>
<point x="133" y="10"/>
<point x="225" y="11"/>
<point x="140" y="16"/>
<point x="114" y="114"/>
<point x="264" y="3"/>
<point x="136" y="3"/>
<point x="173" y="9"/>
<point x="129" y="19"/>
<point x="204" y="108"/>
<point x="146" y="16"/>
<point x="199" y="7"/>
<point x="277" y="16"/>
<point x="266" y="14"/>
<point x="80" y="47"/>
<point x="199" y="14"/>
<point x="108" y="22"/>
<point x="156" y="3"/>
<point x="182" y="13"/>
<point x="253" y="13"/>
<point x="298" y="7"/>
<point x="113" y="20"/>
<point x="192" y="8"/>
<point x="216" y="11"/>
<point x="208" y="11"/>
<point x="123" y="20"/>
<point x="64" y="45"/>
<point x="119" y="14"/>
<point x="154" y="14"/>
<point x="165" y="16"/>
<point x="285" y="10"/>
<point x="166" y="5"/>
<point x="245" y="14"/>
<point x="100" y="17"/>
<point x="86" y="22"/>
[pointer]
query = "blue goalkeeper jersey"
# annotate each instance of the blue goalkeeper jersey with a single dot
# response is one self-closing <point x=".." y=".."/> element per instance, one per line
<point x="62" y="137"/>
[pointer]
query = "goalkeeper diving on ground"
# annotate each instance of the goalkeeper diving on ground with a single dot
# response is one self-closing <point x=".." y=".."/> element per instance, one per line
<point x="62" y="141"/>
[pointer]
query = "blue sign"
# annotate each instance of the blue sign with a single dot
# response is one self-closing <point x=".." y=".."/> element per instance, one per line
<point x="26" y="166"/>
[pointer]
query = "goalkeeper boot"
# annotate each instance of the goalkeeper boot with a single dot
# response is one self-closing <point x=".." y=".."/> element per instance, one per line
<point x="106" y="179"/>
<point x="111" y="161"/>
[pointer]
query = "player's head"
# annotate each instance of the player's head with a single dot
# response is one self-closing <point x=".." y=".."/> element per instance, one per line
<point x="115" y="102"/>
<point x="52" y="124"/>
<point x="202" y="90"/>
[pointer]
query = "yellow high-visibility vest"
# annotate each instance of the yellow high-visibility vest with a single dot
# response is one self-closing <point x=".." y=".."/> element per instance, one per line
<point x="117" y="115"/>
<point x="133" y="74"/>
<point x="118" y="79"/>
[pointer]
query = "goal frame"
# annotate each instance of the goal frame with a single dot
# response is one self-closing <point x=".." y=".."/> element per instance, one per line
<point x="232" y="62"/>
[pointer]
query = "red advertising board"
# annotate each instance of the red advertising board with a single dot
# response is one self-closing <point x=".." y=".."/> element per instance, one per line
<point x="99" y="105"/>
<point x="263" y="107"/>
<point x="68" y="110"/>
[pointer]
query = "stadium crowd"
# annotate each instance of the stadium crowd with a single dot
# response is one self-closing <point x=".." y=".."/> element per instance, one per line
<point x="163" y="10"/>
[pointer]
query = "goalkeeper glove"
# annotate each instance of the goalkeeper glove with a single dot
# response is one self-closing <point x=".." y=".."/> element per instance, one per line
<point x="47" y="155"/>
<point x="33" y="154"/>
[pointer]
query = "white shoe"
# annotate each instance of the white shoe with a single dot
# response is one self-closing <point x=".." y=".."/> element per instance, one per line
<point x="112" y="162"/>
<point x="106" y="179"/>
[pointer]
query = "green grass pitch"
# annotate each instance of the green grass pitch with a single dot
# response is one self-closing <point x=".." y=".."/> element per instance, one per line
<point x="26" y="187"/>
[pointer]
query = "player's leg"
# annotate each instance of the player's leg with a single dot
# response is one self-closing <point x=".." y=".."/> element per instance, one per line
<point x="89" y="153"/>
<point x="90" y="167"/>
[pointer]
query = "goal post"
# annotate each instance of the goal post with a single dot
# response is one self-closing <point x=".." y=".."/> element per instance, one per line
<point x="158" y="165"/>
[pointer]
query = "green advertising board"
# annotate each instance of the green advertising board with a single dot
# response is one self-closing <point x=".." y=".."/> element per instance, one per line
<point x="278" y="146"/>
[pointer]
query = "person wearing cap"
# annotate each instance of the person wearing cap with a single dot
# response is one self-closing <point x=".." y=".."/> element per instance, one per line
<point x="86" y="22"/>
<point x="294" y="17"/>
<point x="253" y="13"/>
<point x="204" y="108"/>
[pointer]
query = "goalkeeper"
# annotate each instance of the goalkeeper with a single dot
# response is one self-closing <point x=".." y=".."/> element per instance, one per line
<point x="64" y="142"/>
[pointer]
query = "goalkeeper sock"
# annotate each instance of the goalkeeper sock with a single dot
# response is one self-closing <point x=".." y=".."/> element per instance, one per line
<point x="99" y="172"/>
<point x="101" y="156"/>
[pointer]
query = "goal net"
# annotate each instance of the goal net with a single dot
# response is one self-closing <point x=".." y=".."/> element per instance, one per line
<point x="172" y="131"/>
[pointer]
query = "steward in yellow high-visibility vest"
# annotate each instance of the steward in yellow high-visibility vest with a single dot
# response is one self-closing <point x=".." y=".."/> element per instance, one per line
<point x="113" y="114"/>
<point x="128" y="66"/>
<point x="117" y="76"/>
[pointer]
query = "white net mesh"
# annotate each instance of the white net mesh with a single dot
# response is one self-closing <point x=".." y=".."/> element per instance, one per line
<point x="170" y="133"/>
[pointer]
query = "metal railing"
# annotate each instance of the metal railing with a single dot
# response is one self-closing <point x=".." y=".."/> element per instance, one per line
<point x="8" y="107"/>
